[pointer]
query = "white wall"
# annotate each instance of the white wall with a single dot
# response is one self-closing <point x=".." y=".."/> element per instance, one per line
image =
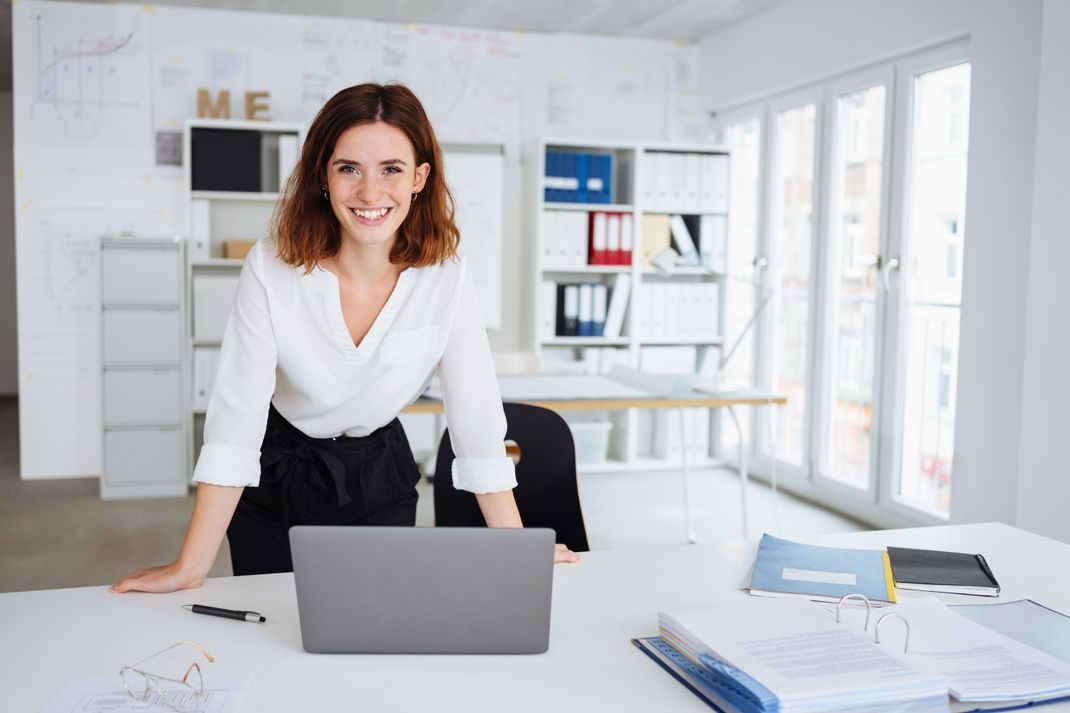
<point x="805" y="40"/>
<point x="1043" y="485"/>
<point x="9" y="373"/>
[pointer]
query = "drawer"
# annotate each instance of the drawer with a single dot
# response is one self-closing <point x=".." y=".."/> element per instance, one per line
<point x="143" y="456"/>
<point x="130" y="274"/>
<point x="144" y="336"/>
<point x="213" y="297"/>
<point x="142" y="396"/>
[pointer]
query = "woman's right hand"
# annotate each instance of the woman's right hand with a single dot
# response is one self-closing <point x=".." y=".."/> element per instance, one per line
<point x="164" y="578"/>
<point x="212" y="511"/>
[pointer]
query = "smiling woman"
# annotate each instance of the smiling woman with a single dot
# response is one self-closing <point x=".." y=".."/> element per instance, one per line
<point x="368" y="142"/>
<point x="340" y="318"/>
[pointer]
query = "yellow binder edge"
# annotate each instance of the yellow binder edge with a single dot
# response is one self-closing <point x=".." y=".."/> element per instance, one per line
<point x="888" y="576"/>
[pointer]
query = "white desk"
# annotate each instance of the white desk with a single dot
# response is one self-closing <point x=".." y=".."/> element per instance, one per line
<point x="47" y="637"/>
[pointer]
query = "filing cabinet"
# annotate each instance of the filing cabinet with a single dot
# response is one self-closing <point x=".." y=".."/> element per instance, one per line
<point x="142" y="337"/>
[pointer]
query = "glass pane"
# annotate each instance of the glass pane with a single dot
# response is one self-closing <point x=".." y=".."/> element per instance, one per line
<point x="793" y="233"/>
<point x="933" y="283"/>
<point x="855" y="234"/>
<point x="744" y="142"/>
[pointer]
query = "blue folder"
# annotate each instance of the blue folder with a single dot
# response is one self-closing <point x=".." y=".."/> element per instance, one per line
<point x="786" y="567"/>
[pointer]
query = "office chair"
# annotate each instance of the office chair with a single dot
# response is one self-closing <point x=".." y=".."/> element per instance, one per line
<point x="547" y="493"/>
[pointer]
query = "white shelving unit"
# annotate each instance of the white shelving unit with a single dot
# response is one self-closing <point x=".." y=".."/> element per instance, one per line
<point x="214" y="216"/>
<point x="651" y="183"/>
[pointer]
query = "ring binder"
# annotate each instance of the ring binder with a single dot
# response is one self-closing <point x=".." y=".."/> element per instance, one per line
<point x="892" y="615"/>
<point x="844" y="598"/>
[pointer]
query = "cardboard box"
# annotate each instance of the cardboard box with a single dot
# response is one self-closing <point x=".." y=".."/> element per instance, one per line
<point x="237" y="249"/>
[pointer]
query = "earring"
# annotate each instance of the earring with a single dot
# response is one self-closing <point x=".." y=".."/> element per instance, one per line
<point x="326" y="197"/>
<point x="414" y="194"/>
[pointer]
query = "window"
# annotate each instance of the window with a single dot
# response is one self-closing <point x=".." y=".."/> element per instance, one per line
<point x="862" y="330"/>
<point x="933" y="283"/>
<point x="793" y="240"/>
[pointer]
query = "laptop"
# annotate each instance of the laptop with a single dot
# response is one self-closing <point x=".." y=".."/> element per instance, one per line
<point x="423" y="590"/>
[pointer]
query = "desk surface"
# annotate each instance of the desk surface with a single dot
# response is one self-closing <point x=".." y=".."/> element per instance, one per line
<point x="598" y="605"/>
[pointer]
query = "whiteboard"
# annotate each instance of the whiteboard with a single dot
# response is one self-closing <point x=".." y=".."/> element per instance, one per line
<point x="101" y="90"/>
<point x="476" y="177"/>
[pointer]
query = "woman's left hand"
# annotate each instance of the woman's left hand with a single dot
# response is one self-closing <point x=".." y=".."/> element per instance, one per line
<point x="564" y="554"/>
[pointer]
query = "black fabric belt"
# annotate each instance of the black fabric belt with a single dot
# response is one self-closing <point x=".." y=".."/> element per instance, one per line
<point x="326" y="463"/>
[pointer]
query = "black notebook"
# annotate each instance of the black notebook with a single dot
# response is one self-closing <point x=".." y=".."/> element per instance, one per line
<point x="935" y="571"/>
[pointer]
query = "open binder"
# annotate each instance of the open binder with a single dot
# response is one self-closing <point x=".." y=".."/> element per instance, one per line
<point x="761" y="656"/>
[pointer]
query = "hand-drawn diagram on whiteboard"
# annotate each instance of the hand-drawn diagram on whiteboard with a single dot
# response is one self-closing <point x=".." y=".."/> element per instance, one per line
<point x="339" y="53"/>
<point x="223" y="51"/>
<point x="59" y="279"/>
<point x="469" y="83"/>
<point x="81" y="74"/>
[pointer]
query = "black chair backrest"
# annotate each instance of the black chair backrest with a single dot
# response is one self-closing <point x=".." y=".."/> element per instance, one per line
<point x="547" y="493"/>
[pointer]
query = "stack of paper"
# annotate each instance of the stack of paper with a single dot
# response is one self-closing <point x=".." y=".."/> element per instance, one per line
<point x="790" y="657"/>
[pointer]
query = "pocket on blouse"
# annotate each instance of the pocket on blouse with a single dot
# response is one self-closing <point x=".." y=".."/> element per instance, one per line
<point x="410" y="344"/>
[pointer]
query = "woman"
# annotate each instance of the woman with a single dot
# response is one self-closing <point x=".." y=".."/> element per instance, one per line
<point x="338" y="323"/>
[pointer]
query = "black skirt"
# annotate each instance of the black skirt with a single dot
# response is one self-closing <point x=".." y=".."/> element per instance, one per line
<point x="369" y="480"/>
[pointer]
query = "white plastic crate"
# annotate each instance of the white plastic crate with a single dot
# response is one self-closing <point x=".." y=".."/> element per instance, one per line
<point x="592" y="440"/>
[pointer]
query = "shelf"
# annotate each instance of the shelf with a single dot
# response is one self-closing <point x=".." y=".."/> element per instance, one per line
<point x="669" y="211"/>
<point x="235" y="196"/>
<point x="592" y="207"/>
<point x="218" y="262"/>
<point x="590" y="270"/>
<point x="683" y="270"/>
<point x="585" y="342"/>
<point x="669" y="147"/>
<point x="682" y="341"/>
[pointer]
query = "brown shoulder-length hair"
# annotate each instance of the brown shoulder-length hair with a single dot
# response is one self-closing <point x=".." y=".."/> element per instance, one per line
<point x="304" y="227"/>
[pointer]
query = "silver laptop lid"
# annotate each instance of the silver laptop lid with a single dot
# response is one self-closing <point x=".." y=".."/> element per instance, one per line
<point x="423" y="590"/>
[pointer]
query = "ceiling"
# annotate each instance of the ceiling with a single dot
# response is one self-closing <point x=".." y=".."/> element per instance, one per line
<point x="688" y="20"/>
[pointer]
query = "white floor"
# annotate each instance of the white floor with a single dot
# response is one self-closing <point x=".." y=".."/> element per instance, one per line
<point x="646" y="509"/>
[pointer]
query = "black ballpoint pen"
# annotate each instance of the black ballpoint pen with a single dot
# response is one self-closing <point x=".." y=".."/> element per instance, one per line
<point x="227" y="613"/>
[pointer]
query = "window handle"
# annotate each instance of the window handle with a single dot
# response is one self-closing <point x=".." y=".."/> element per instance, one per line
<point x="892" y="264"/>
<point x="760" y="262"/>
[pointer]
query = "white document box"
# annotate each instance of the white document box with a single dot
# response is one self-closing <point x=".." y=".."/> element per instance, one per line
<point x="213" y="297"/>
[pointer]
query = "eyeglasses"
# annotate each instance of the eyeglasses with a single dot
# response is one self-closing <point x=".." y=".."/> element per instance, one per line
<point x="179" y="694"/>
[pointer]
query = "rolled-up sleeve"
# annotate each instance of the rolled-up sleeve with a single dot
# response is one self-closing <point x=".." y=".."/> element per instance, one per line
<point x="473" y="401"/>
<point x="245" y="381"/>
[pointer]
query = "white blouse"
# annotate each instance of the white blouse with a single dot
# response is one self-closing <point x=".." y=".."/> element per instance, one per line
<point x="286" y="343"/>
